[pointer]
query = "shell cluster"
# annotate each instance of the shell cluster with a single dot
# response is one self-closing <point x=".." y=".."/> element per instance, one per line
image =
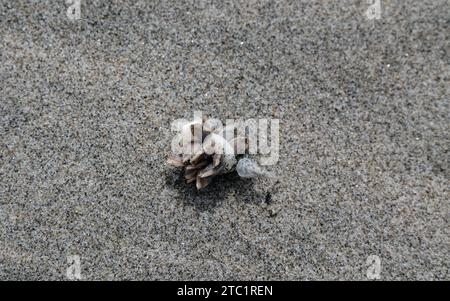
<point x="203" y="151"/>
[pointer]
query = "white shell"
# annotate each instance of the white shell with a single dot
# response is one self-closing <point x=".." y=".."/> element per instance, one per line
<point x="247" y="168"/>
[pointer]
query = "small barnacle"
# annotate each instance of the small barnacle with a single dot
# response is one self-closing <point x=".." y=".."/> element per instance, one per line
<point x="203" y="151"/>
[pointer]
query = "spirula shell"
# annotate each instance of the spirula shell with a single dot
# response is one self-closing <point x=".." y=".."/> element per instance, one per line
<point x="247" y="168"/>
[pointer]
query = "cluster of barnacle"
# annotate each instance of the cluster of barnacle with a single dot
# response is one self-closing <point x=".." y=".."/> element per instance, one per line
<point x="205" y="149"/>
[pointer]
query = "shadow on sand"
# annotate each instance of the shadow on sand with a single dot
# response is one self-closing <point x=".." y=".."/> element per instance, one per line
<point x="215" y="193"/>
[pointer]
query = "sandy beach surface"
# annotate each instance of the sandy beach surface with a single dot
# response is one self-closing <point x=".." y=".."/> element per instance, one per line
<point x="85" y="113"/>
